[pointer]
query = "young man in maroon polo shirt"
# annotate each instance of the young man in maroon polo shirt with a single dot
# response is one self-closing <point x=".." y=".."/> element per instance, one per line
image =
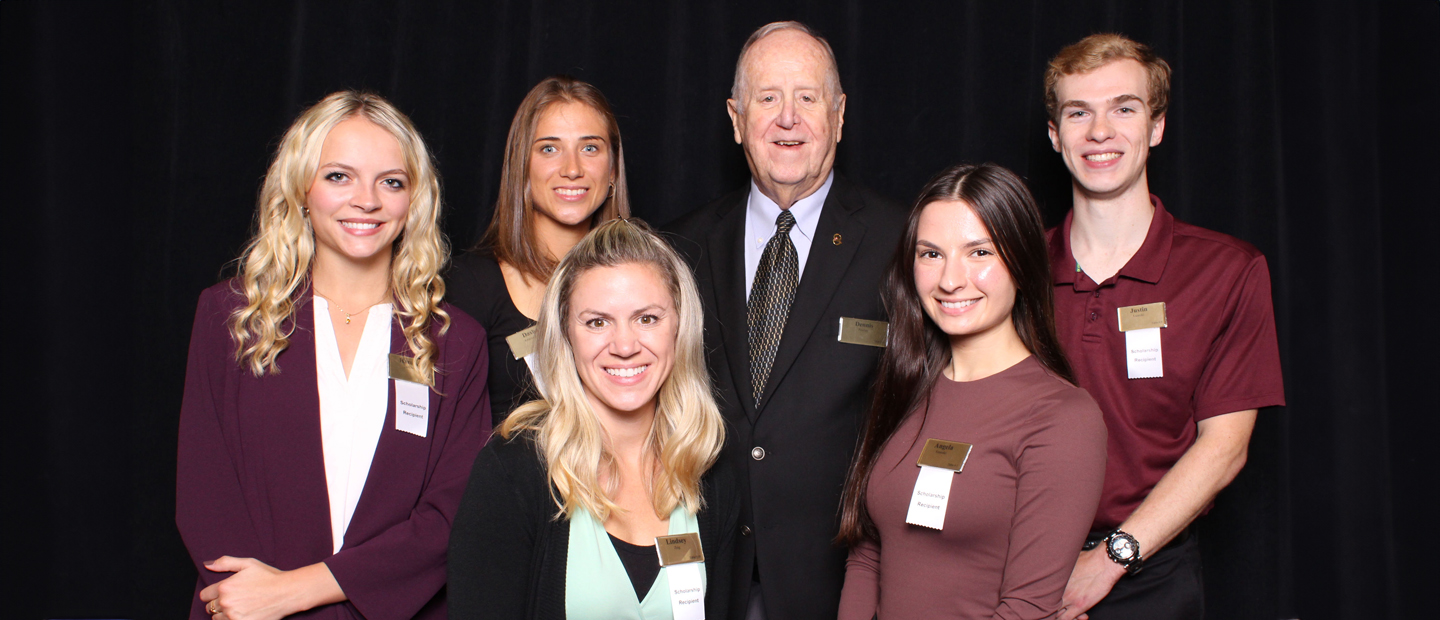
<point x="1169" y="326"/>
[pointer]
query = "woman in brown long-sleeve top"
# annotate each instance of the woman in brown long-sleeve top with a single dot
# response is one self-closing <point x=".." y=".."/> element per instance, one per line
<point x="973" y="386"/>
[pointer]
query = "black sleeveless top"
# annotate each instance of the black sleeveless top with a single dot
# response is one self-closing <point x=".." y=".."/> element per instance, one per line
<point x="474" y="284"/>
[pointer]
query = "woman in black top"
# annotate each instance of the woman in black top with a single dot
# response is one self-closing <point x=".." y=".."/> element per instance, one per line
<point x="564" y="174"/>
<point x="616" y="456"/>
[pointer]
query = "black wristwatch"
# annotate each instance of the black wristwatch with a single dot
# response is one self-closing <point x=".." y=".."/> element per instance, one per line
<point x="1124" y="550"/>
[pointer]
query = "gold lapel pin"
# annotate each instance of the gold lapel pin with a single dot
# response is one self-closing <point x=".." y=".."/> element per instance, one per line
<point x="836" y="239"/>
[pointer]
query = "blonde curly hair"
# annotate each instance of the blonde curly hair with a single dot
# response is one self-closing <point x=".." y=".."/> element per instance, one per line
<point x="275" y="266"/>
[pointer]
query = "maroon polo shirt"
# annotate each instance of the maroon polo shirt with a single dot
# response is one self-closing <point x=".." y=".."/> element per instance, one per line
<point x="1219" y="349"/>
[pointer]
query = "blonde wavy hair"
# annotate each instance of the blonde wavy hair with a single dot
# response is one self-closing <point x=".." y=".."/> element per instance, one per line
<point x="687" y="433"/>
<point x="275" y="266"/>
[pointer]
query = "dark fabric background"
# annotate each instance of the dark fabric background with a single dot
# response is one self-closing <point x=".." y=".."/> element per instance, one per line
<point x="135" y="137"/>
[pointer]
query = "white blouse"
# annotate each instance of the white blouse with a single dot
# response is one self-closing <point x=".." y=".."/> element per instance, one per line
<point x="352" y="410"/>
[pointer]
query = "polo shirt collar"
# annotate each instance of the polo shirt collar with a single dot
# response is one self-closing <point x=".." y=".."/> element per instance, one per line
<point x="1148" y="263"/>
<point x="1062" y="261"/>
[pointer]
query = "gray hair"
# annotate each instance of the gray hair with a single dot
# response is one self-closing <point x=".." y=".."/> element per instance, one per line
<point x="832" y="75"/>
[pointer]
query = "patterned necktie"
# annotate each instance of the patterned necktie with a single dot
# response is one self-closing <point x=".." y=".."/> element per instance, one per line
<point x="771" y="295"/>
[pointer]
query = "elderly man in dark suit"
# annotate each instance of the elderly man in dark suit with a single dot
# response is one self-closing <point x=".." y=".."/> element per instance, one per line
<point x="789" y="270"/>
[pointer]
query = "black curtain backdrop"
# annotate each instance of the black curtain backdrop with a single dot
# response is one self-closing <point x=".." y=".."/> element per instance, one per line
<point x="136" y="136"/>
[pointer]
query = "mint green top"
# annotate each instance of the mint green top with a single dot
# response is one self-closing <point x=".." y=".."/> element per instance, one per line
<point x="596" y="584"/>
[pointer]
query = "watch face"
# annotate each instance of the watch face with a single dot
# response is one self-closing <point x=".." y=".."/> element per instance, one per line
<point x="1122" y="549"/>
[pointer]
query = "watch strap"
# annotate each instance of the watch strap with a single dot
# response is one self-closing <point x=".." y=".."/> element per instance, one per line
<point x="1132" y="564"/>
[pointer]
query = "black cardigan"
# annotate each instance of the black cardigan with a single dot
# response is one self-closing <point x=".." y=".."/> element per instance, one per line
<point x="507" y="552"/>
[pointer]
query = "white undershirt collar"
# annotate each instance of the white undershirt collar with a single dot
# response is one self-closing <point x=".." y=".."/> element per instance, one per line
<point x="760" y="215"/>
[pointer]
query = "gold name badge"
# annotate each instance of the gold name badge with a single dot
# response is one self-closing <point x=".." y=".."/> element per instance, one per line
<point x="403" y="368"/>
<point x="679" y="549"/>
<point x="949" y="455"/>
<point x="1142" y="317"/>
<point x="860" y="331"/>
<point x="522" y="343"/>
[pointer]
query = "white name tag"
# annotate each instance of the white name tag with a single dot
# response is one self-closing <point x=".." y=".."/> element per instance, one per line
<point x="412" y="407"/>
<point x="687" y="591"/>
<point x="931" y="496"/>
<point x="1142" y="354"/>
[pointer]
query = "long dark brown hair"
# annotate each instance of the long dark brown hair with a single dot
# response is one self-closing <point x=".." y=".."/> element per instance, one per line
<point x="511" y="235"/>
<point x="919" y="351"/>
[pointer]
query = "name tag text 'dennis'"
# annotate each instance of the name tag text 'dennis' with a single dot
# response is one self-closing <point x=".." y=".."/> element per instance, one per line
<point x="862" y="331"/>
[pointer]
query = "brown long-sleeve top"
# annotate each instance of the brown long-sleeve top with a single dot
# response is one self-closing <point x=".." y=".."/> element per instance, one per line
<point x="1017" y="515"/>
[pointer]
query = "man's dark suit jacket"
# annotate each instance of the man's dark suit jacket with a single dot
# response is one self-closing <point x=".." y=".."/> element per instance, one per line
<point x="810" y="414"/>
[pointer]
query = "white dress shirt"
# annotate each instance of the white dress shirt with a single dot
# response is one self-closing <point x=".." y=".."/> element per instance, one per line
<point x="760" y="215"/>
<point x="352" y="410"/>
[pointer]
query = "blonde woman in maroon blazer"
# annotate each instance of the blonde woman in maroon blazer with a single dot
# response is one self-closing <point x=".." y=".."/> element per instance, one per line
<point x="333" y="405"/>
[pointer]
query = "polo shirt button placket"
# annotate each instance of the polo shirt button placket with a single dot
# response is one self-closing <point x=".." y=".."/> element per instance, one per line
<point x="1093" y="331"/>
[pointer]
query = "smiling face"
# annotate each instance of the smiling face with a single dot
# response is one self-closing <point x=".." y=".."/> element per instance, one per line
<point x="787" y="119"/>
<point x="962" y="282"/>
<point x="360" y="195"/>
<point x="1104" y="131"/>
<point x="570" y="164"/>
<point x="622" y="326"/>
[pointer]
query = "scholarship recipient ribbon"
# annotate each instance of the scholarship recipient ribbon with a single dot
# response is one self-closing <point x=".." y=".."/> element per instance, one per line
<point x="683" y="560"/>
<point x="939" y="462"/>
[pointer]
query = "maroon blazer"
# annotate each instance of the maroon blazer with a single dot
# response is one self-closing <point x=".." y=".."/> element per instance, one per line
<point x="251" y="473"/>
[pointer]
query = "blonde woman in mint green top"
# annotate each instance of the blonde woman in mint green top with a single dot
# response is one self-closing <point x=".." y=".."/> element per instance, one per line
<point x="561" y="509"/>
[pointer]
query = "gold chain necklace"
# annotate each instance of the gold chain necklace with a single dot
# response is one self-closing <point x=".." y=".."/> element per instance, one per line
<point x="348" y="313"/>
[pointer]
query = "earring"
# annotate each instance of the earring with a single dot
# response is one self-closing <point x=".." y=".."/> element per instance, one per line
<point x="304" y="211"/>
